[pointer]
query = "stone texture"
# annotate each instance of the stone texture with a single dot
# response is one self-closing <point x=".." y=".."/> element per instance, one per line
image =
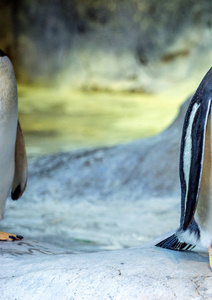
<point x="31" y="270"/>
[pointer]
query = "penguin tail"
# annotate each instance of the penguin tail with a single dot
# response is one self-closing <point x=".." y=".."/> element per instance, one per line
<point x="173" y="243"/>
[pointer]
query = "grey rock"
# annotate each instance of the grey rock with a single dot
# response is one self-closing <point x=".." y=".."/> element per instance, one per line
<point x="31" y="270"/>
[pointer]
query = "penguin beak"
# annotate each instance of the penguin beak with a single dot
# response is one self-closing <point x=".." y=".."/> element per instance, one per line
<point x="2" y="53"/>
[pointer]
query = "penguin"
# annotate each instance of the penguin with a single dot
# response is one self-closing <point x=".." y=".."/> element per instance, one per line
<point x="195" y="175"/>
<point x="13" y="160"/>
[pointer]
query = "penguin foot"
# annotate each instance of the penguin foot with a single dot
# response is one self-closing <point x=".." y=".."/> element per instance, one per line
<point x="210" y="256"/>
<point x="9" y="237"/>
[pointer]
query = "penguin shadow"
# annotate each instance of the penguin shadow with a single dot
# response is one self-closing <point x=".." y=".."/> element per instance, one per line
<point x="24" y="248"/>
<point x="180" y="257"/>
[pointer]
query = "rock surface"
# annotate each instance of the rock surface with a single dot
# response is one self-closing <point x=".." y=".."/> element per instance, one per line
<point x="31" y="270"/>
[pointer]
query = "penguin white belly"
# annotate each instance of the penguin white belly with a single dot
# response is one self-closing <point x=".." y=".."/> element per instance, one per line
<point x="7" y="158"/>
<point x="203" y="213"/>
<point x="205" y="226"/>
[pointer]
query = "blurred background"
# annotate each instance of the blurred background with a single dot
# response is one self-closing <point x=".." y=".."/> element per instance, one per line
<point x="94" y="73"/>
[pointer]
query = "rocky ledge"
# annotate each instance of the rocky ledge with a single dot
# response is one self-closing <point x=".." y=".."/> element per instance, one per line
<point x="31" y="270"/>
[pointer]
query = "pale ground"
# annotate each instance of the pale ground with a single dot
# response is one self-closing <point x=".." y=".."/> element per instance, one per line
<point x="32" y="270"/>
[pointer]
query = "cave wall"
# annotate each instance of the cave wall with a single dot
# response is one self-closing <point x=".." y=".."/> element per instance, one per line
<point x="119" y="45"/>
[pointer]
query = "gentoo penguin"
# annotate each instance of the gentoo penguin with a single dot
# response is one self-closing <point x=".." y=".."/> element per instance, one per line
<point x="13" y="162"/>
<point x="195" y="175"/>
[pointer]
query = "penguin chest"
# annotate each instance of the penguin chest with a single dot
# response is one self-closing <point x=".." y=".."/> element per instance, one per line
<point x="7" y="160"/>
<point x="203" y="217"/>
<point x="204" y="210"/>
<point x="203" y="213"/>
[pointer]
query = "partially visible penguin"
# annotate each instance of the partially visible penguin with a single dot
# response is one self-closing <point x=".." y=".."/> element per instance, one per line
<point x="195" y="174"/>
<point x="13" y="162"/>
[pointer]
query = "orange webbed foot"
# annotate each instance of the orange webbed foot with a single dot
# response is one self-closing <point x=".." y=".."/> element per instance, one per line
<point x="4" y="236"/>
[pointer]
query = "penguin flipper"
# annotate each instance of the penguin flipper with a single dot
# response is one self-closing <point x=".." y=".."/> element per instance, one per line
<point x="20" y="176"/>
<point x="192" y="154"/>
<point x="173" y="243"/>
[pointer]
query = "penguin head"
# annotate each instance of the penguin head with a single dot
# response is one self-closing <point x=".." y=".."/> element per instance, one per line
<point x="205" y="87"/>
